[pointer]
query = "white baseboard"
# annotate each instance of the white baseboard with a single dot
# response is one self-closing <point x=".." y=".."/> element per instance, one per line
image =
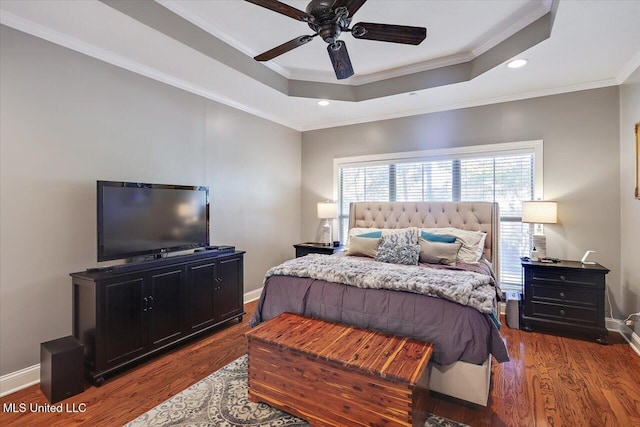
<point x="26" y="377"/>
<point x="635" y="342"/>
<point x="252" y="295"/>
<point x="627" y="333"/>
<point x="18" y="380"/>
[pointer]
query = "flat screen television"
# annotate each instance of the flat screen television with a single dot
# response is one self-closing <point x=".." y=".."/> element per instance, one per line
<point x="137" y="219"/>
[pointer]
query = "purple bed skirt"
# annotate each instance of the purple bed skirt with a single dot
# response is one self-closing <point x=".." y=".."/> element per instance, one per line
<point x="459" y="333"/>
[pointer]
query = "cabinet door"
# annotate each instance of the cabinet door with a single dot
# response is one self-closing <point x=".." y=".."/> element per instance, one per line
<point x="201" y="286"/>
<point x="123" y="330"/>
<point x="229" y="295"/>
<point x="164" y="306"/>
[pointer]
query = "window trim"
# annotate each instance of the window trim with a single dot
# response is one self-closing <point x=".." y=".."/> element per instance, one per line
<point x="454" y="153"/>
<point x="503" y="148"/>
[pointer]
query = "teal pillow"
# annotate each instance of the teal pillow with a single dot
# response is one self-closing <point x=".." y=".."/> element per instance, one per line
<point x="373" y="235"/>
<point x="443" y="238"/>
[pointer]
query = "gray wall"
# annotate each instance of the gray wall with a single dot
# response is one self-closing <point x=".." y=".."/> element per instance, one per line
<point x="581" y="162"/>
<point x="69" y="120"/>
<point x="629" y="206"/>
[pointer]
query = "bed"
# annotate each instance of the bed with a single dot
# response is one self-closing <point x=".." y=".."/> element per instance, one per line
<point x="464" y="329"/>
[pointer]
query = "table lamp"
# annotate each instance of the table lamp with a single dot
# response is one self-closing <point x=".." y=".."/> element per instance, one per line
<point x="327" y="211"/>
<point x="539" y="212"/>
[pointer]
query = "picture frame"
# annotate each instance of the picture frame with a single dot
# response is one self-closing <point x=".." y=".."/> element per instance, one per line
<point x="637" y="194"/>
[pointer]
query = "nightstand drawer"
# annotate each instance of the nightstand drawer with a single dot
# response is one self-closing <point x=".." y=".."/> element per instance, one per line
<point x="565" y="278"/>
<point x="564" y="295"/>
<point x="565" y="313"/>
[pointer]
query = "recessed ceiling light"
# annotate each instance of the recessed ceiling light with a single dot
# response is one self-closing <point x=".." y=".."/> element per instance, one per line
<point x="517" y="63"/>
<point x="323" y="103"/>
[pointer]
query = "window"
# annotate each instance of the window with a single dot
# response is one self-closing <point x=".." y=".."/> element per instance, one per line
<point x="503" y="173"/>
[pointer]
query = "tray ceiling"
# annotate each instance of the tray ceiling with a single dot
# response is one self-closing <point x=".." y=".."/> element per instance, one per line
<point x="206" y="47"/>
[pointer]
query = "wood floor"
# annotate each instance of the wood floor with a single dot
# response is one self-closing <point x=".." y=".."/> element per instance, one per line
<point x="550" y="381"/>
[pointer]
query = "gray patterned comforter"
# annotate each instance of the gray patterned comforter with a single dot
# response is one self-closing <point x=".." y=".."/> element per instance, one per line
<point x="463" y="287"/>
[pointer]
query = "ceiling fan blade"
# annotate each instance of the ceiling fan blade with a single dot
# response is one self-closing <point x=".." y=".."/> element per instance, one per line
<point x="284" y="48"/>
<point x="340" y="59"/>
<point x="284" y="9"/>
<point x="389" y="33"/>
<point x="351" y="5"/>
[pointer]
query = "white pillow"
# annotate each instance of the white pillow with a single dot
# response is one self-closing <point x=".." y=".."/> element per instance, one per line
<point x="358" y="231"/>
<point x="472" y="242"/>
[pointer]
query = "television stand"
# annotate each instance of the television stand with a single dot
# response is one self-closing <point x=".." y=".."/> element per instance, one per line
<point x="136" y="310"/>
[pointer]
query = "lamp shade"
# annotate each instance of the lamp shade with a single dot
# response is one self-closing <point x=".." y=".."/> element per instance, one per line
<point x="539" y="212"/>
<point x="327" y="210"/>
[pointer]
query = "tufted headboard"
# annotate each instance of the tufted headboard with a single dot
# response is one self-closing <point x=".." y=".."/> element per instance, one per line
<point x="475" y="216"/>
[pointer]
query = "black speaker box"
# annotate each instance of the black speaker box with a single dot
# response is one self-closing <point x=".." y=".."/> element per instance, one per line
<point x="61" y="368"/>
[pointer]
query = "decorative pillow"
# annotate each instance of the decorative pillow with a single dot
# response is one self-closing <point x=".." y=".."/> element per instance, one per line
<point x="472" y="242"/>
<point x="438" y="252"/>
<point x="371" y="235"/>
<point x="358" y="231"/>
<point x="432" y="237"/>
<point x="403" y="236"/>
<point x="363" y="246"/>
<point x="398" y="254"/>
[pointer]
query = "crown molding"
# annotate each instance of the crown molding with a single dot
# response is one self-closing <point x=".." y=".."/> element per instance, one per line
<point x="29" y="27"/>
<point x="632" y="65"/>
<point x="184" y="12"/>
<point x="61" y="39"/>
<point x="520" y="23"/>
<point x="488" y="42"/>
<point x="328" y="77"/>
<point x="466" y="104"/>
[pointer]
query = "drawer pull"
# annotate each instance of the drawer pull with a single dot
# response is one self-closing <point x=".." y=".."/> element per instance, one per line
<point x="562" y="295"/>
<point x="562" y="278"/>
<point x="562" y="313"/>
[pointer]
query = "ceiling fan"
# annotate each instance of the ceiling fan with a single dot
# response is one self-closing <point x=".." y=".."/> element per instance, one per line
<point x="328" y="19"/>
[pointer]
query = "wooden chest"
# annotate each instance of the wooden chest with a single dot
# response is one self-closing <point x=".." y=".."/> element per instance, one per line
<point x="336" y="375"/>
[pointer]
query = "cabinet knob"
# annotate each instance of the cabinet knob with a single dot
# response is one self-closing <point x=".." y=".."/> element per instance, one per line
<point x="563" y="278"/>
<point x="562" y="295"/>
<point x="219" y="280"/>
<point x="562" y="312"/>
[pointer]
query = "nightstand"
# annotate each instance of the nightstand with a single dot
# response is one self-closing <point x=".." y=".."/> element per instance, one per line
<point x="307" y="248"/>
<point x="567" y="296"/>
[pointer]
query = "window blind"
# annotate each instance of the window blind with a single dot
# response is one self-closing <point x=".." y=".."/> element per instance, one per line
<point x="504" y="178"/>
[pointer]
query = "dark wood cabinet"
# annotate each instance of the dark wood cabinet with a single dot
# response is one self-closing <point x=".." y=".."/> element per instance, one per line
<point x="567" y="296"/>
<point x="123" y="336"/>
<point x="215" y="292"/>
<point x="164" y="306"/>
<point x="201" y="279"/>
<point x="123" y="316"/>
<point x="230" y="285"/>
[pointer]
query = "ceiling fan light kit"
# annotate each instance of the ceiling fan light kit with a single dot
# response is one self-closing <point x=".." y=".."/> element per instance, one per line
<point x="329" y="19"/>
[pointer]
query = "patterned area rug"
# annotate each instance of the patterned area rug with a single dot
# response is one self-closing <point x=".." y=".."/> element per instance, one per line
<point x="220" y="400"/>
